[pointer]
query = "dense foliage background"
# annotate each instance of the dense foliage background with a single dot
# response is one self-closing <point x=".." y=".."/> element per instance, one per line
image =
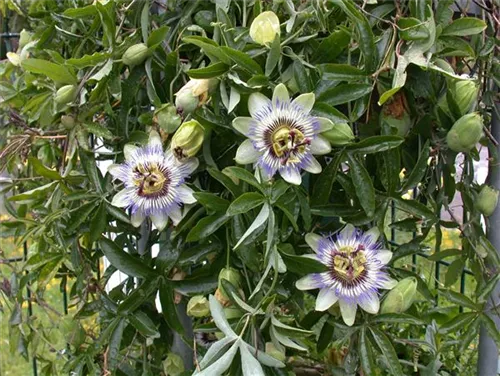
<point x="388" y="69"/>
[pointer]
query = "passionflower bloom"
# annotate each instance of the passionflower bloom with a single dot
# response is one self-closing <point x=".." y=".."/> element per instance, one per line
<point x="282" y="135"/>
<point x="356" y="263"/>
<point x="153" y="183"/>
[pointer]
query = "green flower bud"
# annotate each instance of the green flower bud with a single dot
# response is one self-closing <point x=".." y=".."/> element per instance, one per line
<point x="193" y="94"/>
<point x="464" y="94"/>
<point x="232" y="313"/>
<point x="274" y="352"/>
<point x="487" y="200"/>
<point x="68" y="121"/>
<point x="24" y="38"/>
<point x="167" y="118"/>
<point x="465" y="133"/>
<point x="340" y="135"/>
<point x="66" y="94"/>
<point x="264" y="28"/>
<point x="173" y="365"/>
<point x="401" y="297"/>
<point x="198" y="306"/>
<point x="232" y="276"/>
<point x="188" y="140"/>
<point x="135" y="54"/>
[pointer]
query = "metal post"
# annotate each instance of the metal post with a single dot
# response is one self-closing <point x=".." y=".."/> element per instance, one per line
<point x="488" y="352"/>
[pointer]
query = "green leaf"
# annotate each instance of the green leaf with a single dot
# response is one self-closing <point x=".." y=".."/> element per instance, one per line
<point x="141" y="294"/>
<point x="486" y="291"/>
<point x="332" y="46"/>
<point x="90" y="167"/>
<point x="169" y="308"/>
<point x="210" y="48"/>
<point x="366" y="353"/>
<point x="242" y="60"/>
<point x="458" y="299"/>
<point x="117" y="213"/>
<point x="412" y="29"/>
<point x="222" y="363"/>
<point x="491" y="328"/>
<point x="415" y="208"/>
<point x="89" y="10"/>
<point x="55" y="72"/>
<point x="212" y="202"/>
<point x="35" y="193"/>
<point x="323" y="186"/>
<point x="341" y="72"/>
<point x="124" y="261"/>
<point x="242" y="174"/>
<point x="89" y="60"/>
<point x="207" y="226"/>
<point x="250" y="365"/>
<point x="418" y="172"/>
<point x="301" y="77"/>
<point x="301" y="265"/>
<point x="245" y="203"/>
<point x="259" y="221"/>
<point x="79" y="216"/>
<point x="387" y="352"/>
<point x="363" y="185"/>
<point x="375" y="144"/>
<point x="274" y="56"/>
<point x="145" y="21"/>
<point x="464" y="26"/>
<point x="41" y="170"/>
<point x="366" y="39"/>
<point x="213" y="70"/>
<point x="144" y="325"/>
<point x="98" y="130"/>
<point x="325" y="337"/>
<point x="397" y="318"/>
<point x="454" y="272"/>
<point x="115" y="343"/>
<point x="344" y="93"/>
<point x="445" y="253"/>
<point x="226" y="181"/>
<point x="459" y="322"/>
<point x="107" y="15"/>
<point x="98" y="223"/>
<point x="219" y="318"/>
<point x="157" y="36"/>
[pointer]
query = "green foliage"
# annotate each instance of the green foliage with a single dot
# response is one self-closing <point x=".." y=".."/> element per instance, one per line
<point x="92" y="78"/>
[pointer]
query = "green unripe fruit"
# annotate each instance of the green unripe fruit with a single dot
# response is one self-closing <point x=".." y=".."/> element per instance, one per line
<point x="401" y="297"/>
<point x="465" y="133"/>
<point x="135" y="54"/>
<point x="198" y="306"/>
<point x="487" y="200"/>
<point x="68" y="121"/>
<point x="340" y="135"/>
<point x="167" y="118"/>
<point x="173" y="365"/>
<point x="232" y="276"/>
<point x="464" y="94"/>
<point x="232" y="313"/>
<point x="188" y="140"/>
<point x="399" y="127"/>
<point x="66" y="94"/>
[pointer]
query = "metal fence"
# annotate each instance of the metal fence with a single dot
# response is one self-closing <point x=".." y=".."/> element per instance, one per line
<point x="7" y="40"/>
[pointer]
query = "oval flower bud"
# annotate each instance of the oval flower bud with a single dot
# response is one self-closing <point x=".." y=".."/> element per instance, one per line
<point x="173" y="365"/>
<point x="232" y="276"/>
<point x="135" y="54"/>
<point x="465" y="94"/>
<point x="188" y="140"/>
<point x="198" y="306"/>
<point x="401" y="297"/>
<point x="465" y="133"/>
<point x="487" y="200"/>
<point x="66" y="94"/>
<point x="193" y="94"/>
<point x="264" y="28"/>
<point x="167" y="118"/>
<point x="340" y="135"/>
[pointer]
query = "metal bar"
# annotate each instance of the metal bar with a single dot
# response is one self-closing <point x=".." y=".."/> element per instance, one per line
<point x="487" y="364"/>
<point x="30" y="306"/>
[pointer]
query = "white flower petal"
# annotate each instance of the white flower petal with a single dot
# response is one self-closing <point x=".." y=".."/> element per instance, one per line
<point x="186" y="194"/>
<point x="280" y="94"/>
<point x="384" y="256"/>
<point x="176" y="215"/>
<point x="370" y="303"/>
<point x="155" y="139"/>
<point x="348" y="311"/>
<point x="326" y="298"/>
<point x="312" y="241"/>
<point x="160" y="220"/>
<point x="291" y="175"/>
<point x="247" y="153"/>
<point x="313" y="167"/>
<point x="324" y="124"/>
<point x="242" y="124"/>
<point x="257" y="102"/>
<point x="347" y="231"/>
<point x="389" y="284"/>
<point x="309" y="282"/>
<point x="320" y="145"/>
<point x="122" y="198"/>
<point x="137" y="218"/>
<point x="371" y="236"/>
<point x="305" y="101"/>
<point x="129" y="150"/>
<point x="190" y="165"/>
<point x="114" y="169"/>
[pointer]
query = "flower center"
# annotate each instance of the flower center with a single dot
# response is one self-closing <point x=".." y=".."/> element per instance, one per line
<point x="288" y="142"/>
<point x="349" y="263"/>
<point x="150" y="179"/>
